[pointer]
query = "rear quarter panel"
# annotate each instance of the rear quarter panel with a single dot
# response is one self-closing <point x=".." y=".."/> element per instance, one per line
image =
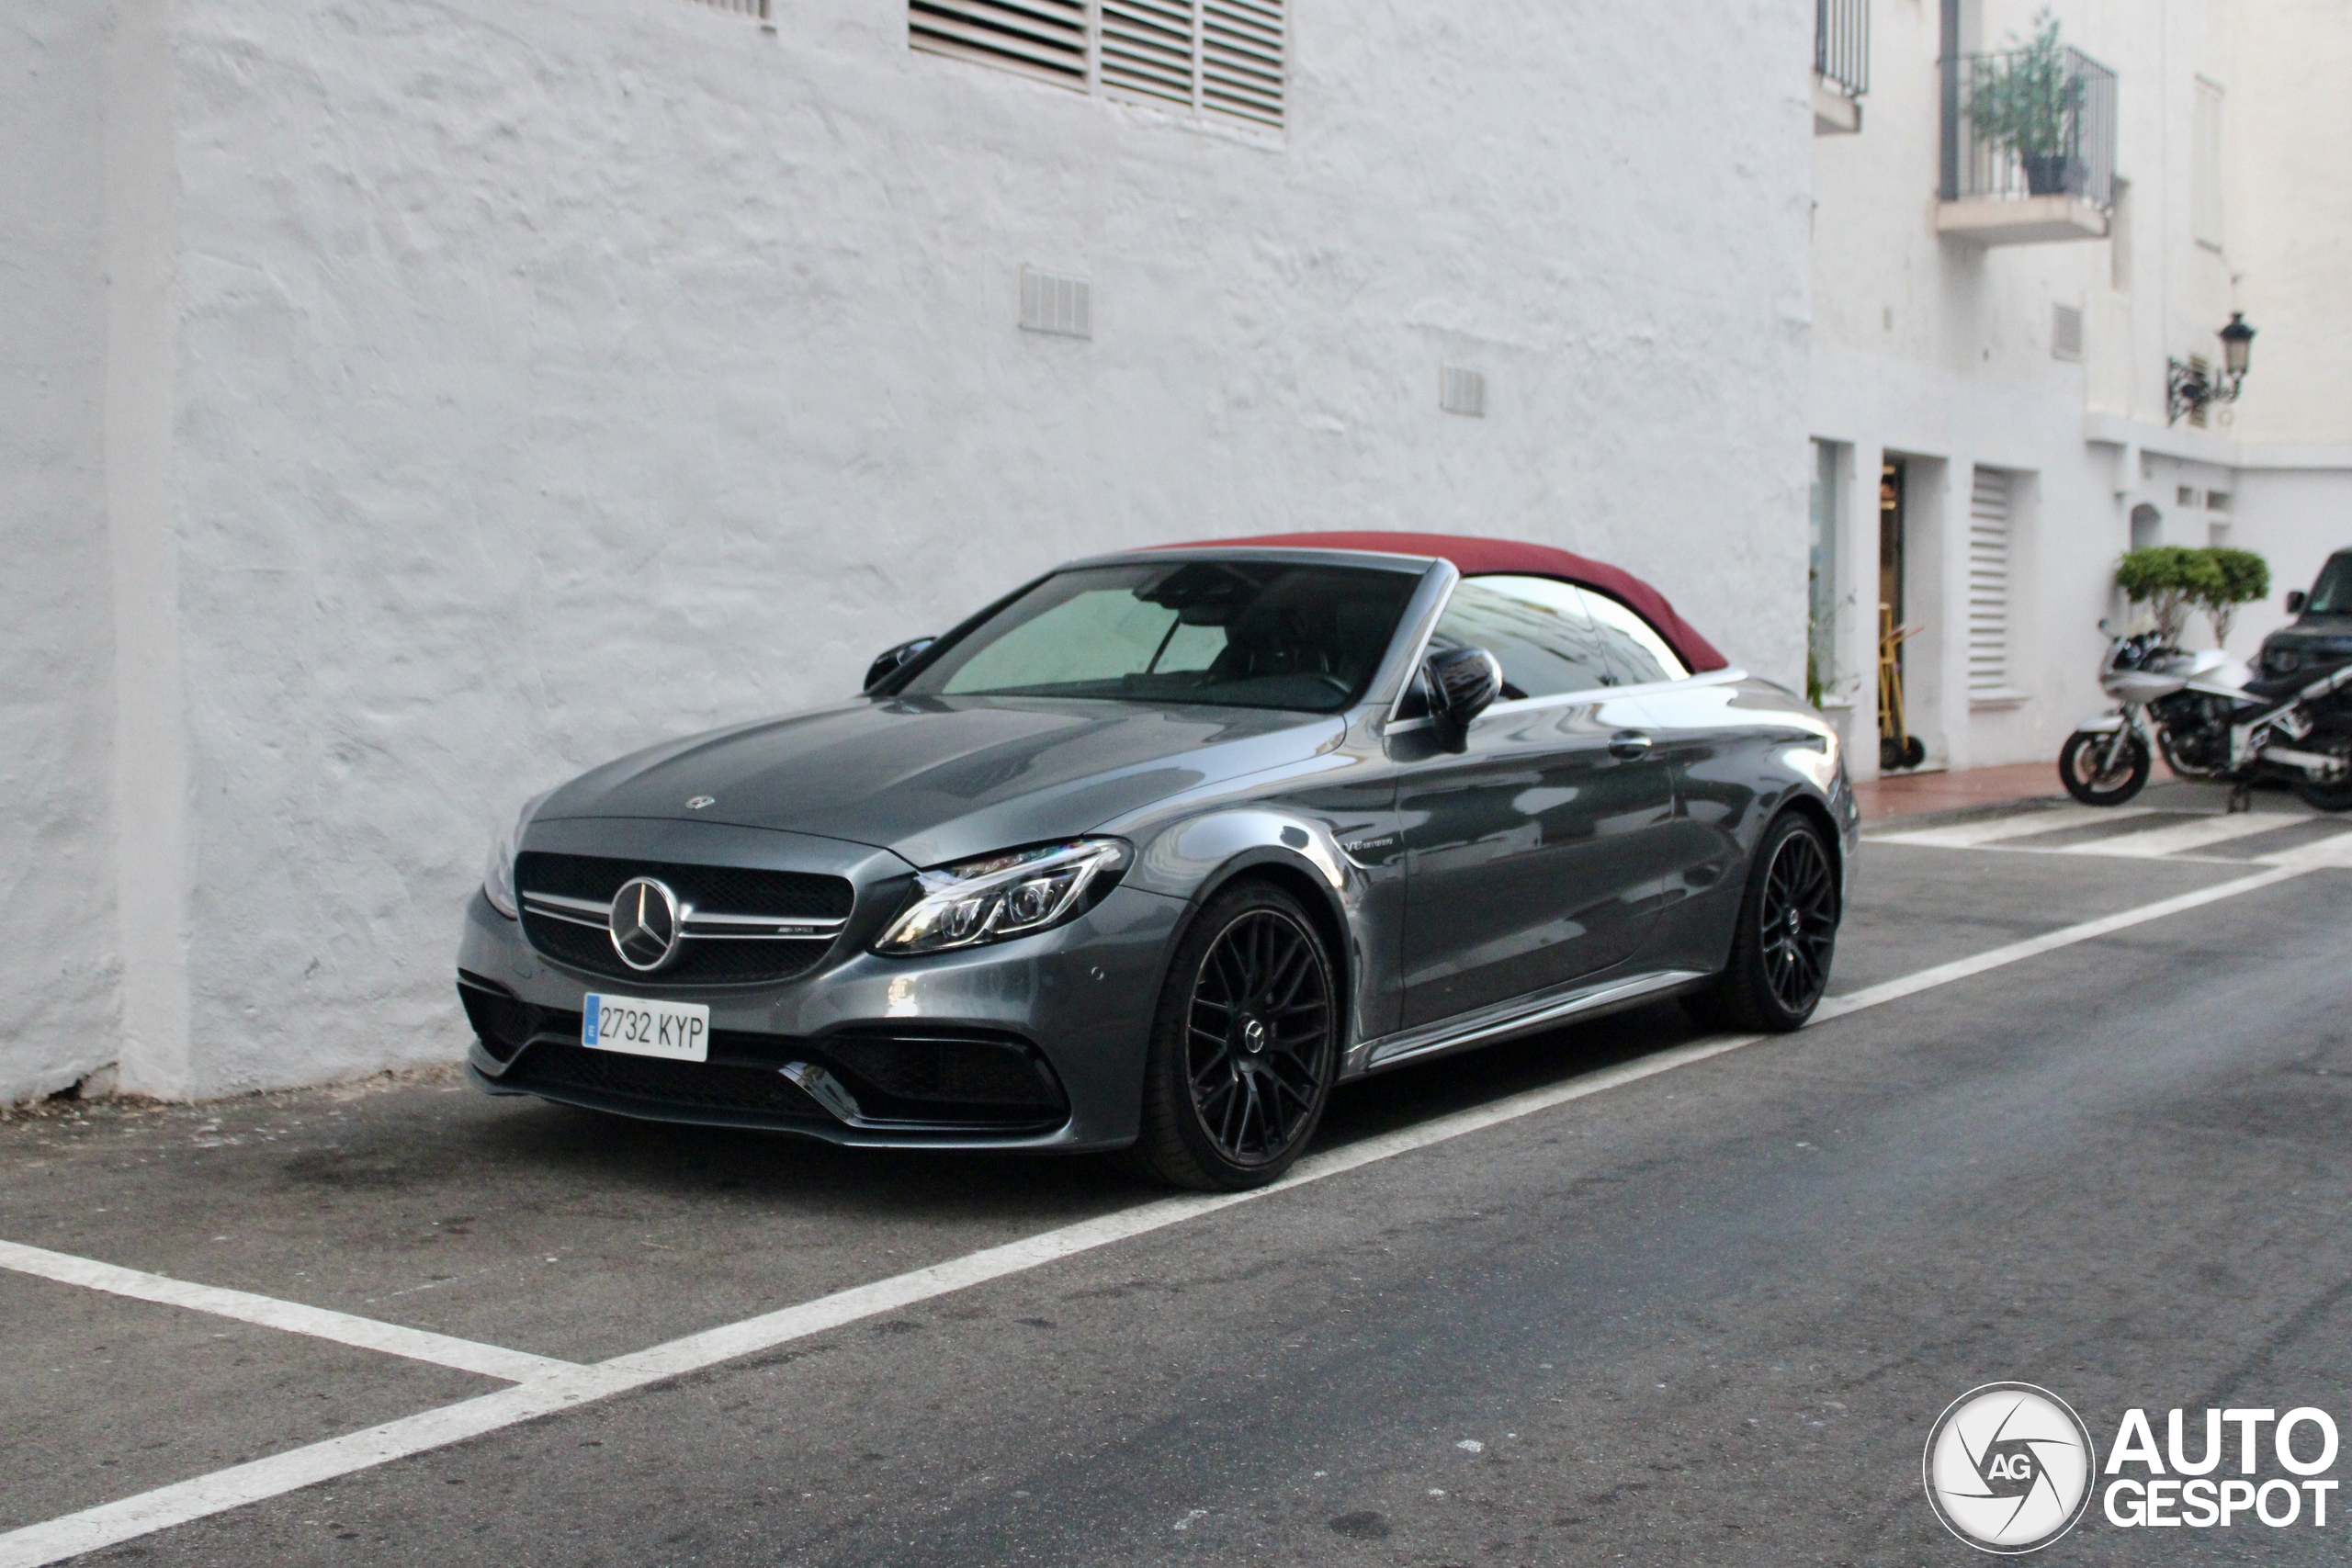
<point x="1742" y="752"/>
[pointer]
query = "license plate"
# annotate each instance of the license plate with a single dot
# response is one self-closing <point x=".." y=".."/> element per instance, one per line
<point x="675" y="1031"/>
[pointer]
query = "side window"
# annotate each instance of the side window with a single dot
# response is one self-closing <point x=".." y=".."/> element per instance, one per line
<point x="1538" y="629"/>
<point x="1636" y="654"/>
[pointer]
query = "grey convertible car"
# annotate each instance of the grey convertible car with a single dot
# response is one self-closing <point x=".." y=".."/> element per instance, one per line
<point x="1154" y="851"/>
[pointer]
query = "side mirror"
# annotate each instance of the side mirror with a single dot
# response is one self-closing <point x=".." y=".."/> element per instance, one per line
<point x="1463" y="682"/>
<point x="2296" y="600"/>
<point x="891" y="660"/>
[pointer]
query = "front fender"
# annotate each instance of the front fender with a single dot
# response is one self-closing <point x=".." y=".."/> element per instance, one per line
<point x="1192" y="859"/>
<point x="2104" y="724"/>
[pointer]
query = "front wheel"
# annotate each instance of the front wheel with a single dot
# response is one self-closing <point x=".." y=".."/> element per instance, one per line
<point x="1787" y="935"/>
<point x="1245" y="1046"/>
<point x="2080" y="768"/>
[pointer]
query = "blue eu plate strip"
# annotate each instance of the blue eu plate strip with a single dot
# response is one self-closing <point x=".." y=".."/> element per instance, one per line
<point x="590" y="1006"/>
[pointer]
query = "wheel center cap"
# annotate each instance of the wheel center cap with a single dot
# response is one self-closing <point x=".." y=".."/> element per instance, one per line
<point x="1254" y="1036"/>
<point x="1796" y="923"/>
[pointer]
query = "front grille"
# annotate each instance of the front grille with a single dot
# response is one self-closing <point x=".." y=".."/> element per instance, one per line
<point x="711" y="889"/>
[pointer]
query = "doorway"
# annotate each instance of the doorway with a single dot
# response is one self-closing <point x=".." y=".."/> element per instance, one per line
<point x="1898" y="746"/>
<point x="1890" y="542"/>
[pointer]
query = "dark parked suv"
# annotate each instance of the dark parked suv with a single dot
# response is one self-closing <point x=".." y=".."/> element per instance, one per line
<point x="2321" y="632"/>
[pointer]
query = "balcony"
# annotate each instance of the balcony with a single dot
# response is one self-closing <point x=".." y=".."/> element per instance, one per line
<point x="2029" y="148"/>
<point x="1841" y="65"/>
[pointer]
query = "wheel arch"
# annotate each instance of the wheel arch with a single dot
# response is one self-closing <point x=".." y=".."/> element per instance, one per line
<point x="1303" y="881"/>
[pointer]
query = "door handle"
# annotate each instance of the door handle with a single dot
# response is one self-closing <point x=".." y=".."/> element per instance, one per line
<point x="1629" y="745"/>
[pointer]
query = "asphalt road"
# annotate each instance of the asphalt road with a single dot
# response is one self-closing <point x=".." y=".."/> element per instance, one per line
<point x="1707" y="1315"/>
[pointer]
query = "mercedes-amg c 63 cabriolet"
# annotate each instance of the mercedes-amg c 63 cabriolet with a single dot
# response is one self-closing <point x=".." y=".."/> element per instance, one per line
<point x="1154" y="851"/>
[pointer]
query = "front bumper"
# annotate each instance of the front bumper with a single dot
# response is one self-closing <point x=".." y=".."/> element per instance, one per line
<point x="1080" y="997"/>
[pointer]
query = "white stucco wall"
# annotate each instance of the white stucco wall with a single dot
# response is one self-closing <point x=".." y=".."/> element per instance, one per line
<point x="552" y="378"/>
<point x="58" y="1003"/>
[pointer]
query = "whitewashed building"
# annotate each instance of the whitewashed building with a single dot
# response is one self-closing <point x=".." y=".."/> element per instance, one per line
<point x="405" y="405"/>
<point x="1990" y="367"/>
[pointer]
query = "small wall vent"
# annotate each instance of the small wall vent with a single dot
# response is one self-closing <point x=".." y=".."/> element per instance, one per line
<point x="1061" y="307"/>
<point x="2065" y="332"/>
<point x="1463" y="392"/>
<point x="755" y="8"/>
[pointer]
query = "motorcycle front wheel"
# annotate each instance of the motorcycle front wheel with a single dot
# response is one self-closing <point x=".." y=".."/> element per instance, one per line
<point x="2078" y="769"/>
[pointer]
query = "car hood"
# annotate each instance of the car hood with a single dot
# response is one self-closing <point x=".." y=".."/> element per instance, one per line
<point x="939" y="779"/>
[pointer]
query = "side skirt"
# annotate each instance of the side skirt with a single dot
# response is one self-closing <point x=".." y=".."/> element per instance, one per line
<point x="1522" y="1015"/>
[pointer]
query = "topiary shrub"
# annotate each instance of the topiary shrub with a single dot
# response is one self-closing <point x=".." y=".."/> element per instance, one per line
<point x="2165" y="578"/>
<point x="2238" y="576"/>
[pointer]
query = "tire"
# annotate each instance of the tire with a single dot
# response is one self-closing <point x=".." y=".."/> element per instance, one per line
<point x="2337" y="797"/>
<point x="2079" y="758"/>
<point x="1786" y="939"/>
<point x="1245" y="1044"/>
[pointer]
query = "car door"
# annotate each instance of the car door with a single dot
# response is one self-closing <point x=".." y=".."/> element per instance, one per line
<point x="1532" y="857"/>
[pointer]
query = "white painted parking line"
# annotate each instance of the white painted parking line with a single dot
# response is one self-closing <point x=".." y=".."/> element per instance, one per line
<point x="1993" y="829"/>
<point x="185" y="1501"/>
<point x="416" y="1343"/>
<point x="2201" y="833"/>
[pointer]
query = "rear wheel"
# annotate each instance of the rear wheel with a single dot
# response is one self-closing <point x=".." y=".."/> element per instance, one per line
<point x="1786" y="938"/>
<point x="2080" y="770"/>
<point x="1245" y="1046"/>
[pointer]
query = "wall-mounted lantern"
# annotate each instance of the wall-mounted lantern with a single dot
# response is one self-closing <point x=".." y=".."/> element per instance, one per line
<point x="2190" y="386"/>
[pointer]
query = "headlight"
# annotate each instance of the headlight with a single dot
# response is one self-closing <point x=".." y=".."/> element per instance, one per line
<point x="1004" y="896"/>
<point x="498" y="877"/>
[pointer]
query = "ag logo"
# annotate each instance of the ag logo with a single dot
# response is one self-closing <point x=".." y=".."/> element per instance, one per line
<point x="2009" y="1468"/>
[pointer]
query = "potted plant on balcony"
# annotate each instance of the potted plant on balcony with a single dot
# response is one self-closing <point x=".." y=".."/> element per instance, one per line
<point x="2029" y="102"/>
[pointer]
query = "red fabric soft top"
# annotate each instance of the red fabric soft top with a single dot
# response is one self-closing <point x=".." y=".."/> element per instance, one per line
<point x="1485" y="558"/>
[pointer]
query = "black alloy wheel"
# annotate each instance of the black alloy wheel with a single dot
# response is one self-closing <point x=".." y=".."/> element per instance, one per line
<point x="1246" y="1045"/>
<point x="2079" y="771"/>
<point x="1787" y="935"/>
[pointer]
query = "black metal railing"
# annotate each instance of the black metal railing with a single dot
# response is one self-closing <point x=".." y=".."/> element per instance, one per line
<point x="2025" y="123"/>
<point x="1841" y="45"/>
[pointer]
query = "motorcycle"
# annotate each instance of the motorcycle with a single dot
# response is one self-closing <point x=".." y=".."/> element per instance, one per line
<point x="2211" y="719"/>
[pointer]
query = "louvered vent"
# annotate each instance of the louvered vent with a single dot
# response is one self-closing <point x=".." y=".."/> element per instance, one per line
<point x="1988" y="587"/>
<point x="1212" y="56"/>
<point x="2065" y="332"/>
<point x="1461" y="391"/>
<point x="1241" y="58"/>
<point x="758" y="8"/>
<point x="1045" y="38"/>
<point x="1063" y="307"/>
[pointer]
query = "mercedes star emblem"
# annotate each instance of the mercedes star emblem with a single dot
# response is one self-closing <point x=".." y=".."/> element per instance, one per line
<point x="644" y="924"/>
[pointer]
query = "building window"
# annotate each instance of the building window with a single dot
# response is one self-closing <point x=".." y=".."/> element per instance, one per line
<point x="2205" y="171"/>
<point x="1219" y="59"/>
<point x="1988" y="587"/>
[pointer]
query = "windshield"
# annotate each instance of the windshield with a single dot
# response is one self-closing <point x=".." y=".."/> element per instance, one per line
<point x="1233" y="634"/>
<point x="2331" y="594"/>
